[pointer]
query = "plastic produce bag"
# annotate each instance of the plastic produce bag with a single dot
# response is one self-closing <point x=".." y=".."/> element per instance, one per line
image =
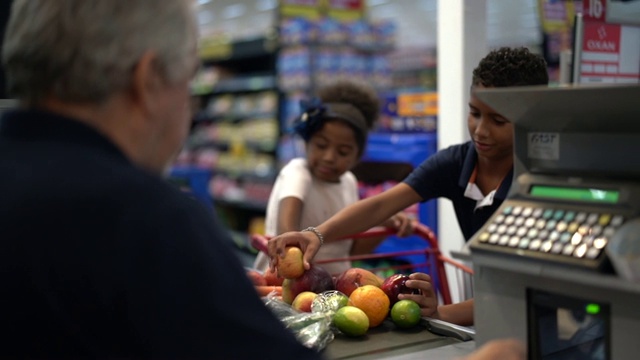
<point x="313" y="329"/>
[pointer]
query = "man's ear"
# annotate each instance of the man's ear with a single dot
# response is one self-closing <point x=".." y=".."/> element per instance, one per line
<point x="145" y="82"/>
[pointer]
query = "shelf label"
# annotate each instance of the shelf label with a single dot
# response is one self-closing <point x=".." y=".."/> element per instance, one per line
<point x="308" y="9"/>
<point x="418" y="104"/>
<point x="342" y="10"/>
<point x="215" y="48"/>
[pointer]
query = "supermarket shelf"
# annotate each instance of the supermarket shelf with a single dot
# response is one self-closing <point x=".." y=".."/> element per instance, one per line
<point x="256" y="146"/>
<point x="203" y="117"/>
<point x="228" y="51"/>
<point x="251" y="83"/>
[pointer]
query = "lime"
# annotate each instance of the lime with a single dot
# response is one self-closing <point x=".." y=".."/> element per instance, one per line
<point x="351" y="321"/>
<point x="405" y="313"/>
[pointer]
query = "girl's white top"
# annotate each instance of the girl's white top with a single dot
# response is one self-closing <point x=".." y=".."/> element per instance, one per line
<point x="321" y="200"/>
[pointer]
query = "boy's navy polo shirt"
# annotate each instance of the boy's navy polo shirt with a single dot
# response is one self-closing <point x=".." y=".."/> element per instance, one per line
<point x="446" y="174"/>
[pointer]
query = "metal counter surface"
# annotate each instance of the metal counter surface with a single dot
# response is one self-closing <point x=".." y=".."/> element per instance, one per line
<point x="388" y="342"/>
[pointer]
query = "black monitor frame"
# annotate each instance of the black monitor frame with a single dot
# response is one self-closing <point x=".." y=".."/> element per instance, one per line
<point x="541" y="334"/>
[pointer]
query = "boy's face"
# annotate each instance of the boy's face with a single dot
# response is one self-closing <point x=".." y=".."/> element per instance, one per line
<point x="332" y="151"/>
<point x="492" y="133"/>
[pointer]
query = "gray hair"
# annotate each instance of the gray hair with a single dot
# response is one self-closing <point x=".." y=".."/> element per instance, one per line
<point x="85" y="50"/>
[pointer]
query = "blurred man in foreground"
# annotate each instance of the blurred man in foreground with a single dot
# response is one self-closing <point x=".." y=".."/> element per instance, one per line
<point x="99" y="256"/>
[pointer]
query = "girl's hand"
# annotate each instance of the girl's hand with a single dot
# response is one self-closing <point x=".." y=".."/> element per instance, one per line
<point x="427" y="298"/>
<point x="402" y="223"/>
<point x="307" y="241"/>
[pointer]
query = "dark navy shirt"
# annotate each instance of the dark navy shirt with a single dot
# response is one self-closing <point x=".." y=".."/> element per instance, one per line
<point x="101" y="259"/>
<point x="446" y="174"/>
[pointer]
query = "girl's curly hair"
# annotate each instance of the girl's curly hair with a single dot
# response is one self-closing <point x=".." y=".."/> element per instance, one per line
<point x="352" y="102"/>
<point x="511" y="67"/>
<point x="360" y="95"/>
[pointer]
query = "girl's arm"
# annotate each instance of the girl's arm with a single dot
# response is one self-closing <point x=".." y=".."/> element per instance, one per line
<point x="289" y="214"/>
<point x="353" y="219"/>
<point x="369" y="212"/>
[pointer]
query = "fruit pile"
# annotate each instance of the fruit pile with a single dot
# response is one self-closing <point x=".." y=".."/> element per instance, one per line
<point x="357" y="299"/>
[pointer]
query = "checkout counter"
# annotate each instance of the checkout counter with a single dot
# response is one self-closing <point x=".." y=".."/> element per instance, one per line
<point x="388" y="342"/>
<point x="545" y="269"/>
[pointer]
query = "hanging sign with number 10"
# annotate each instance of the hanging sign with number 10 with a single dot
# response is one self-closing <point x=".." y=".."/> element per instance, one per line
<point x="594" y="9"/>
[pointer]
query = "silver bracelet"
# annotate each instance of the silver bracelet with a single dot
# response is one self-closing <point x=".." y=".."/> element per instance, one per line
<point x="315" y="231"/>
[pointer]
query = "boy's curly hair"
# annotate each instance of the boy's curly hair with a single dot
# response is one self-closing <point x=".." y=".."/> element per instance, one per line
<point x="511" y="67"/>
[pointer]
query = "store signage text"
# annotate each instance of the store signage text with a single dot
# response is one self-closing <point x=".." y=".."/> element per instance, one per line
<point x="601" y="45"/>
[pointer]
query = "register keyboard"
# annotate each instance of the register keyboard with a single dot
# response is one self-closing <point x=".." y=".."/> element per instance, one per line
<point x="565" y="234"/>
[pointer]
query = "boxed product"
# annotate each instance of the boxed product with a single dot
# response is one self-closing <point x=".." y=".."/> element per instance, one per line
<point x="296" y="31"/>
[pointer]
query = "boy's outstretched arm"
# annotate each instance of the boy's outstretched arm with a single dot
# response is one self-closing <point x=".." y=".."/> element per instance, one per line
<point x="353" y="219"/>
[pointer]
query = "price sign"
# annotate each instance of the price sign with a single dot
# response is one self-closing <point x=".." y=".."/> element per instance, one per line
<point x="594" y="9"/>
<point x="610" y="53"/>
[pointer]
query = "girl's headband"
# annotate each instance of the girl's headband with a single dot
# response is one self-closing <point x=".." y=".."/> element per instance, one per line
<point x="314" y="111"/>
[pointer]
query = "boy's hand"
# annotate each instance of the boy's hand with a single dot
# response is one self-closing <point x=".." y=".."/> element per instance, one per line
<point x="427" y="298"/>
<point x="307" y="241"/>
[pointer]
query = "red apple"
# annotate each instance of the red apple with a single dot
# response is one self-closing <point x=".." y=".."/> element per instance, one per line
<point x="353" y="278"/>
<point x="316" y="280"/>
<point x="395" y="285"/>
<point x="303" y="301"/>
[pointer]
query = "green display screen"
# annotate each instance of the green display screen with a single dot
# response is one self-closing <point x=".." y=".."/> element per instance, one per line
<point x="579" y="194"/>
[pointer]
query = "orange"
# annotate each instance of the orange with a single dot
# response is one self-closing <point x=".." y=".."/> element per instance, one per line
<point x="351" y="321"/>
<point x="405" y="313"/>
<point x="373" y="301"/>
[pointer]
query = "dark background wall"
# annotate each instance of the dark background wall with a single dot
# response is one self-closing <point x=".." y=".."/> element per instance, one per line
<point x="5" y="5"/>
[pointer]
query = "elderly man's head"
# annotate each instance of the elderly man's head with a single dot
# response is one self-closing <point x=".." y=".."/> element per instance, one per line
<point x="86" y="53"/>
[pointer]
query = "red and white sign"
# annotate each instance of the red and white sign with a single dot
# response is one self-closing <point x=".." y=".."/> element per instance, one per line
<point x="594" y="9"/>
<point x="610" y="53"/>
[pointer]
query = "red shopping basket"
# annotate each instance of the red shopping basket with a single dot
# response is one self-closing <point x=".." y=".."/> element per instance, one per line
<point x="434" y="259"/>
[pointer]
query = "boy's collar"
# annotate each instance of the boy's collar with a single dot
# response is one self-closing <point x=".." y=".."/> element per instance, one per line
<point x="468" y="167"/>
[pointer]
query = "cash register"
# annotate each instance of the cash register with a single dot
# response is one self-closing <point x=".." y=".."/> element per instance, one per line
<point x="542" y="270"/>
